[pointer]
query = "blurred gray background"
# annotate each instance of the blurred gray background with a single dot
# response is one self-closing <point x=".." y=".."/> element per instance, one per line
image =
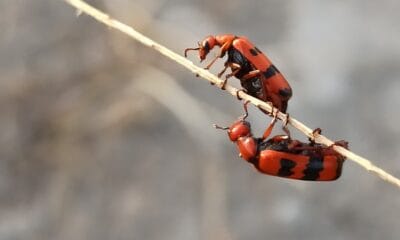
<point x="102" y="138"/>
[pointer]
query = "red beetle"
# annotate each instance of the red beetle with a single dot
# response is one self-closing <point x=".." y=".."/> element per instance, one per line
<point x="257" y="75"/>
<point x="284" y="157"/>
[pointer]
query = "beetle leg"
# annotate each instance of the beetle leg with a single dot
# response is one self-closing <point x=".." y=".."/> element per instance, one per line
<point x="246" y="112"/>
<point x="227" y="76"/>
<point x="223" y="70"/>
<point x="274" y="111"/>
<point x="285" y="123"/>
<point x="235" y="69"/>
<point x="237" y="93"/>
<point x="330" y="151"/>
<point x="211" y="63"/>
<point x="268" y="131"/>
<point x="225" y="48"/>
<point x="221" y="54"/>
<point x="308" y="148"/>
<point x="251" y="74"/>
<point x="295" y="145"/>
<point x="315" y="132"/>
<point x="341" y="143"/>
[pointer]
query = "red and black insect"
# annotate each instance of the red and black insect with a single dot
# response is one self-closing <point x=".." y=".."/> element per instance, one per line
<point x="284" y="157"/>
<point x="257" y="75"/>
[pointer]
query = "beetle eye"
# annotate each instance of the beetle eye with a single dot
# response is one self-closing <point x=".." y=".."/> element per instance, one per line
<point x="206" y="46"/>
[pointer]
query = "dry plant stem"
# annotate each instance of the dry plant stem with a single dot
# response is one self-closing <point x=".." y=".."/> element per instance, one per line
<point x="107" y="20"/>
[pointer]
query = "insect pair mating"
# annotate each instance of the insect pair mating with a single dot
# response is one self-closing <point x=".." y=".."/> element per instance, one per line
<point x="279" y="155"/>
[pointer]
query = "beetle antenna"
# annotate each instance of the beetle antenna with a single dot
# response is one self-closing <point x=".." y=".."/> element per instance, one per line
<point x="219" y="127"/>
<point x="190" y="49"/>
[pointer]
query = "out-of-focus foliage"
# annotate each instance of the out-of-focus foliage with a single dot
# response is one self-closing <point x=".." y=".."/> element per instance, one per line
<point x="102" y="138"/>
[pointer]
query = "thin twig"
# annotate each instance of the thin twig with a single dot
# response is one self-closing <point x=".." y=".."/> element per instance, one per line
<point x="107" y="20"/>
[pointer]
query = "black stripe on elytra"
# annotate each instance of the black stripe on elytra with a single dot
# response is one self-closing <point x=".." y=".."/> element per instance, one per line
<point x="286" y="167"/>
<point x="253" y="52"/>
<point x="314" y="166"/>
<point x="286" y="92"/>
<point x="258" y="50"/>
<point x="276" y="69"/>
<point x="270" y="71"/>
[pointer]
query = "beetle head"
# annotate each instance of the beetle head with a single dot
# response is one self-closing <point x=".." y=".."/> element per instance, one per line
<point x="204" y="47"/>
<point x="240" y="128"/>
